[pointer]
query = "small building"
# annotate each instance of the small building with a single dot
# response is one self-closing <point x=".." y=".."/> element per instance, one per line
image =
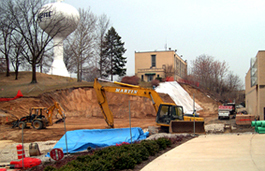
<point x="255" y="86"/>
<point x="159" y="64"/>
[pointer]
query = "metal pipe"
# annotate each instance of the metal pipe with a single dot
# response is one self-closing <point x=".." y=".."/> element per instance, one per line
<point x="130" y="120"/>
<point x="193" y="114"/>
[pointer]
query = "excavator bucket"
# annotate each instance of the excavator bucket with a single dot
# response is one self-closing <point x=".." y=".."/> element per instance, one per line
<point x="180" y="126"/>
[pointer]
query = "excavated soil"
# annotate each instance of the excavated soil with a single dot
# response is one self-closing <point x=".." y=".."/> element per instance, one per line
<point x="83" y="112"/>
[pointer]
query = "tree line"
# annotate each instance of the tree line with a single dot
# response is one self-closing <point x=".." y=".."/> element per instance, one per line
<point x="214" y="77"/>
<point x="94" y="49"/>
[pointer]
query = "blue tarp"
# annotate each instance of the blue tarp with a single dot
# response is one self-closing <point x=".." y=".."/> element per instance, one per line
<point x="79" y="140"/>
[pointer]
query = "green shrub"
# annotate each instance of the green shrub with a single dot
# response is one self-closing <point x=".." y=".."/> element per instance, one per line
<point x="115" y="157"/>
<point x="135" y="155"/>
<point x="168" y="142"/>
<point x="76" y="165"/>
<point x="139" y="148"/>
<point x="106" y="150"/>
<point x="50" y="168"/>
<point x="124" y="161"/>
<point x="101" y="164"/>
<point x="151" y="146"/>
<point x="68" y="168"/>
<point x="163" y="143"/>
<point x="85" y="159"/>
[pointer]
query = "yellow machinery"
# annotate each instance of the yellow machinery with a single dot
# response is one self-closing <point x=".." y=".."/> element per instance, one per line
<point x="37" y="119"/>
<point x="169" y="116"/>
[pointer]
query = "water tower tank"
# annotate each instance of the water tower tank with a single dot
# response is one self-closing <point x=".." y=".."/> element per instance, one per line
<point x="58" y="20"/>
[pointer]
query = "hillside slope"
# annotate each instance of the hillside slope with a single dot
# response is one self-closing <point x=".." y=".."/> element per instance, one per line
<point x="81" y="108"/>
<point x="79" y="99"/>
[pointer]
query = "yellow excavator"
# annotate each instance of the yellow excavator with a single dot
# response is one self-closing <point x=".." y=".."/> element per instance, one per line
<point x="37" y="119"/>
<point x="169" y="116"/>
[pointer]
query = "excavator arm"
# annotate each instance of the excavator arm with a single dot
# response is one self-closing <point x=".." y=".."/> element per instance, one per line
<point x="129" y="90"/>
<point x="50" y="110"/>
<point x="169" y="115"/>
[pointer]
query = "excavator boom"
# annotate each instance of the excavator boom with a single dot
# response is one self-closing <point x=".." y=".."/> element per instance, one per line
<point x="129" y="90"/>
<point x="169" y="115"/>
<point x="50" y="110"/>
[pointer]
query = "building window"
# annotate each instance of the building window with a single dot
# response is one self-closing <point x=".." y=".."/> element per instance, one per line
<point x="153" y="60"/>
<point x="142" y="77"/>
<point x="149" y="78"/>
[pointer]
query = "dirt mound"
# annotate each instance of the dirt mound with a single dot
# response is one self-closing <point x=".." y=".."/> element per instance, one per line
<point x="209" y="105"/>
<point x="82" y="102"/>
<point x="83" y="112"/>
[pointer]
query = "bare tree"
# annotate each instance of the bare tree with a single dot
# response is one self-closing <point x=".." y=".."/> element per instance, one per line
<point x="90" y="73"/>
<point x="2" y="65"/>
<point x="202" y="70"/>
<point x="213" y="77"/>
<point x="81" y="44"/>
<point x="220" y="70"/>
<point x="5" y="37"/>
<point x="16" y="58"/>
<point x="103" y="25"/>
<point x="234" y="82"/>
<point x="169" y="70"/>
<point x="25" y="16"/>
<point x="46" y="61"/>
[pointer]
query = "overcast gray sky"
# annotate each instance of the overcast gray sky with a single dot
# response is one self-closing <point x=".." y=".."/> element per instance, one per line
<point x="229" y="30"/>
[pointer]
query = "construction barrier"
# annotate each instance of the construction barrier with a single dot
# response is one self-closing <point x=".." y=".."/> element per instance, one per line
<point x="19" y="94"/>
<point x="20" y="152"/>
<point x="26" y="163"/>
<point x="244" y="119"/>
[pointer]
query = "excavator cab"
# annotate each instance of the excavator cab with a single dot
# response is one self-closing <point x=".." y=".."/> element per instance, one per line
<point x="171" y="119"/>
<point x="166" y="113"/>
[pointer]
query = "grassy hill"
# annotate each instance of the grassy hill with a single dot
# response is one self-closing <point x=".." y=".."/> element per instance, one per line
<point x="9" y="86"/>
<point x="46" y="83"/>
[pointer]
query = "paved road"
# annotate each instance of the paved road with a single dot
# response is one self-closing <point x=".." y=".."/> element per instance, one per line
<point x="235" y="152"/>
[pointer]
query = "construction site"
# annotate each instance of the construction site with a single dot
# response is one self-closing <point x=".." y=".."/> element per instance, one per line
<point x="82" y="111"/>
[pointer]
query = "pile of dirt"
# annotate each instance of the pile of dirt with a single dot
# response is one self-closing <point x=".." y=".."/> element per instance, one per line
<point x="209" y="105"/>
<point x="82" y="102"/>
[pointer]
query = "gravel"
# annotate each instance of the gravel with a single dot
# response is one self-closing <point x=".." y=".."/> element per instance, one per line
<point x="8" y="152"/>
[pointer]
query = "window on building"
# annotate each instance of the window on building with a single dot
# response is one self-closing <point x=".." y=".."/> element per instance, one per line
<point x="150" y="78"/>
<point x="153" y="60"/>
<point x="142" y="77"/>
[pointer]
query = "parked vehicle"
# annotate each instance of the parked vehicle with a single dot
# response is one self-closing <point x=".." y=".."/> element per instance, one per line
<point x="37" y="119"/>
<point x="225" y="110"/>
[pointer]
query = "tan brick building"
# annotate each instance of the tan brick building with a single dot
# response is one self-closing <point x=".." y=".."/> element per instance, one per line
<point x="255" y="86"/>
<point x="152" y="64"/>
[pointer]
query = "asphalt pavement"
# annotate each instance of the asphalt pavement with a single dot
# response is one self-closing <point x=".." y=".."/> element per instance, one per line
<point x="237" y="152"/>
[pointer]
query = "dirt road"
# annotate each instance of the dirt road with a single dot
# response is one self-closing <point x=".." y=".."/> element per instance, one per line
<point x="56" y="131"/>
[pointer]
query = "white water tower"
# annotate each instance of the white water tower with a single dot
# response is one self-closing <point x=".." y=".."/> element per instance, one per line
<point x="58" y="20"/>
